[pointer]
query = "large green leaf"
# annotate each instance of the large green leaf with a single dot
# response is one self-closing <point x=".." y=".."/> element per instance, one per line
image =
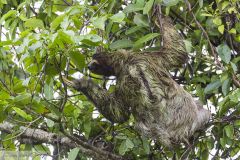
<point x="78" y="59"/>
<point x="133" y="8"/>
<point x="7" y="15"/>
<point x="72" y="155"/>
<point x="133" y="29"/>
<point x="226" y="87"/>
<point x="224" y="52"/>
<point x="148" y="6"/>
<point x="99" y="22"/>
<point x="229" y="130"/>
<point x="125" y="146"/>
<point x="57" y="22"/>
<point x="212" y="86"/>
<point x="146" y="38"/>
<point x="118" y="17"/>
<point x="124" y="43"/>
<point x="48" y="90"/>
<point x="141" y="20"/>
<point x="22" y="113"/>
<point x="34" y="23"/>
<point x="188" y="45"/>
<point x="22" y="99"/>
<point x="65" y="36"/>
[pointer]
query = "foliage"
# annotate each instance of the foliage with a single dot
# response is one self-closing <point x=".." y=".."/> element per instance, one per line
<point x="42" y="40"/>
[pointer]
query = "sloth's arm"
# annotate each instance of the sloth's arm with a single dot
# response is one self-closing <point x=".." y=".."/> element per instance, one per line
<point x="173" y="53"/>
<point x="107" y="104"/>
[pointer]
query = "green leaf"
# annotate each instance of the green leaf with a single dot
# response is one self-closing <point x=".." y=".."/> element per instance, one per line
<point x="34" y="23"/>
<point x="223" y="142"/>
<point x="205" y="154"/>
<point x="129" y="143"/>
<point x="48" y="90"/>
<point x="233" y="31"/>
<point x="226" y="87"/>
<point x="65" y="36"/>
<point x="146" y="38"/>
<point x="237" y="123"/>
<point x="170" y="3"/>
<point x="78" y="59"/>
<point x="224" y="52"/>
<point x="123" y="43"/>
<point x="22" y="113"/>
<point x="72" y="155"/>
<point x="188" y="45"/>
<point x="212" y="86"/>
<point x="87" y="127"/>
<point x="237" y="27"/>
<point x="148" y="6"/>
<point x="122" y="149"/>
<point x="229" y="130"/>
<point x="22" y="99"/>
<point x="234" y="151"/>
<point x="57" y="21"/>
<point x="225" y="4"/>
<point x="50" y="123"/>
<point x="93" y="37"/>
<point x="125" y="146"/>
<point x="118" y="17"/>
<point x="221" y="29"/>
<point x="232" y="10"/>
<point x="99" y="22"/>
<point x="217" y="21"/>
<point x="3" y="1"/>
<point x="8" y="14"/>
<point x="133" y="29"/>
<point x="88" y="38"/>
<point x="133" y="8"/>
<point x="211" y="27"/>
<point x="234" y="67"/>
<point x="146" y="145"/>
<point x="3" y="115"/>
<point x="237" y="38"/>
<point x="141" y="20"/>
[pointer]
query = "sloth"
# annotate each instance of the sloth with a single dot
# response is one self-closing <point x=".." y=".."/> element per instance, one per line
<point x="161" y="108"/>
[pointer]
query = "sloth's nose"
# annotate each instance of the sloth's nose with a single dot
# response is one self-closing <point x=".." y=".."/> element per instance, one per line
<point x="90" y="67"/>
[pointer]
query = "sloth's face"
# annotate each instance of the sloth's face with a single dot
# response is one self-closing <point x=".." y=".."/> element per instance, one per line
<point x="101" y="64"/>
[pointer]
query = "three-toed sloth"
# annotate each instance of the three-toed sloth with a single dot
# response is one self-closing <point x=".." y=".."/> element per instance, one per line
<point x="162" y="109"/>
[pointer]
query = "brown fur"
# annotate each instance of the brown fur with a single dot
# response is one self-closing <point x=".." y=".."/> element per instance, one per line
<point x="162" y="109"/>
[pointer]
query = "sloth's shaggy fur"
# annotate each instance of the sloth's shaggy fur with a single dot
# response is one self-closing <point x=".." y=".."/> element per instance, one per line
<point x="162" y="109"/>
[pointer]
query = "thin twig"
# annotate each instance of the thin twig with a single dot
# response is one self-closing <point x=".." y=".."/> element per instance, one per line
<point x="159" y="14"/>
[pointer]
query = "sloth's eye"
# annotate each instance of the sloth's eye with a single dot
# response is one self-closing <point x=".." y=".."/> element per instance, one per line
<point x="93" y="65"/>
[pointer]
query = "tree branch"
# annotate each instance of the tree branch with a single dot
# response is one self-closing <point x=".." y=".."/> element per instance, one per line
<point x="52" y="138"/>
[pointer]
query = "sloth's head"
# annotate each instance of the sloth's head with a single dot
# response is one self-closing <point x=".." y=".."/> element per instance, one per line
<point x="110" y="64"/>
<point x="102" y="64"/>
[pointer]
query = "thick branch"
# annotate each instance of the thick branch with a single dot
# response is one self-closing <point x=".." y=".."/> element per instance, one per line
<point x="52" y="138"/>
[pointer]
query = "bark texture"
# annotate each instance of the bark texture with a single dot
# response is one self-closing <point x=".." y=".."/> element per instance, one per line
<point x="52" y="138"/>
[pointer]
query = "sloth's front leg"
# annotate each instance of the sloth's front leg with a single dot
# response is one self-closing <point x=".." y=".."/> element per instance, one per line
<point x="107" y="104"/>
